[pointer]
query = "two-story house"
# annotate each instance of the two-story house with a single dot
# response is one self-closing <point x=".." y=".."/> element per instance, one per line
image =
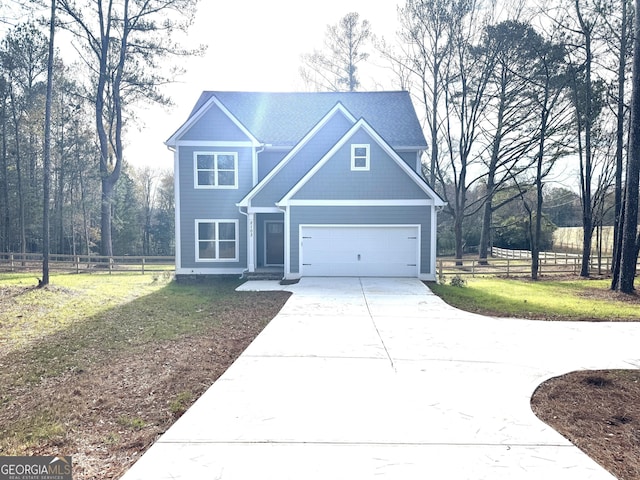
<point x="316" y="184"/>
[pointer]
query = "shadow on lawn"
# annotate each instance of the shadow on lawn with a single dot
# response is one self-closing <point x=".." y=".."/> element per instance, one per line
<point x="175" y="310"/>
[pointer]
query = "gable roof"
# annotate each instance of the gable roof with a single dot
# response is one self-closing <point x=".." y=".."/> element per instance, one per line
<point x="338" y="108"/>
<point x="198" y="113"/>
<point x="278" y="118"/>
<point x="362" y="124"/>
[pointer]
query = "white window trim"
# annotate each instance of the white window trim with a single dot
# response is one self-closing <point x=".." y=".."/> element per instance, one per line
<point x="215" y="170"/>
<point x="367" y="157"/>
<point x="217" y="222"/>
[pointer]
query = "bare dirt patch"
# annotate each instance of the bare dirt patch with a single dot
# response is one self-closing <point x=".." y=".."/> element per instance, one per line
<point x="598" y="411"/>
<point x="611" y="295"/>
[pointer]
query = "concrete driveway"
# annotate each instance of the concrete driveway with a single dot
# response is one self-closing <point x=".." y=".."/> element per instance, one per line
<point x="378" y="378"/>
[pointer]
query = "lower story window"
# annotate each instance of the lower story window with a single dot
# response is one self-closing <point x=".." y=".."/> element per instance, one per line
<point x="217" y="240"/>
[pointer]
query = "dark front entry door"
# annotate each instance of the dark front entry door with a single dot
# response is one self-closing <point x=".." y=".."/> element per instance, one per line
<point x="275" y="243"/>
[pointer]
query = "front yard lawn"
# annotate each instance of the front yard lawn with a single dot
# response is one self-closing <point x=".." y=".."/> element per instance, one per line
<point x="97" y="366"/>
<point x="545" y="300"/>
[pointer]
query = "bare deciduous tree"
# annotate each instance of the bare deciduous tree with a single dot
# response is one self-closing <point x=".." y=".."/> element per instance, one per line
<point x="335" y="68"/>
<point x="124" y="43"/>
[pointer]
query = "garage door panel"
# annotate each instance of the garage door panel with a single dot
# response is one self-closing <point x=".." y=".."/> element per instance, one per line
<point x="360" y="251"/>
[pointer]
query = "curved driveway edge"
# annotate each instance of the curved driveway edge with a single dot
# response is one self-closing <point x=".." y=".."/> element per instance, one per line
<point x="379" y="378"/>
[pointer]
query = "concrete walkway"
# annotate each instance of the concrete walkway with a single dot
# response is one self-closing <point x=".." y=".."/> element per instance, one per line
<point x="378" y="378"/>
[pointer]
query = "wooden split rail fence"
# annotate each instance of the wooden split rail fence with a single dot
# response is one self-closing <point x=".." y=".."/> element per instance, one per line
<point x="18" y="262"/>
<point x="517" y="263"/>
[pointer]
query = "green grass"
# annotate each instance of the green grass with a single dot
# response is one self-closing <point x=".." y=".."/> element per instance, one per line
<point x="553" y="300"/>
<point x="134" y="423"/>
<point x="79" y="318"/>
<point x="180" y="403"/>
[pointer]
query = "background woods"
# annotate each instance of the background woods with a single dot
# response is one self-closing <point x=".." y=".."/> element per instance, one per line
<point x="141" y="212"/>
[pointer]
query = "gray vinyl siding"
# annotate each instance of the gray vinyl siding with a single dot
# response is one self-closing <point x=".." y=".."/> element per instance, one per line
<point x="303" y="161"/>
<point x="411" y="159"/>
<point x="211" y="204"/>
<point x="363" y="216"/>
<point x="267" y="160"/>
<point x="385" y="179"/>
<point x="215" y="125"/>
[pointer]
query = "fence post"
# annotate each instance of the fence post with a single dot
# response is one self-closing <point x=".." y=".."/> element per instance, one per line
<point x="142" y="265"/>
<point x="508" y="264"/>
<point x="110" y="265"/>
<point x="77" y="261"/>
<point x="11" y="261"/>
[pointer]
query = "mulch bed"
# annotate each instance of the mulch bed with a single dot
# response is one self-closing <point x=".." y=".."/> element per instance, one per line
<point x="598" y="411"/>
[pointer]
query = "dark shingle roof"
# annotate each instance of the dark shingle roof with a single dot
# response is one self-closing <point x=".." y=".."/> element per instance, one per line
<point x="284" y="118"/>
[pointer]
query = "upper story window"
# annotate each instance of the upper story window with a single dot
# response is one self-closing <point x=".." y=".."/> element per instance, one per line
<point x="360" y="157"/>
<point x="216" y="169"/>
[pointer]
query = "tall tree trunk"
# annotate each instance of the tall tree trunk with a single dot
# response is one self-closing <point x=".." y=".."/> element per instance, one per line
<point x="617" y="229"/>
<point x="6" y="232"/>
<point x="629" y="250"/>
<point x="536" y="231"/>
<point x="21" y="216"/>
<point x="586" y="166"/>
<point x="106" y="244"/>
<point x="487" y="215"/>
<point x="47" y="153"/>
<point x="457" y="230"/>
<point x="535" y="244"/>
<point x="434" y="122"/>
<point x="83" y="202"/>
<point x="60" y="194"/>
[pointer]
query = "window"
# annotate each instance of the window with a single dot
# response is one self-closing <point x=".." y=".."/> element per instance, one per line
<point x="216" y="169"/>
<point x="217" y="240"/>
<point x="360" y="157"/>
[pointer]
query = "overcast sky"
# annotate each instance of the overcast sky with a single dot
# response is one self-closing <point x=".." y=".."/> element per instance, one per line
<point x="253" y="45"/>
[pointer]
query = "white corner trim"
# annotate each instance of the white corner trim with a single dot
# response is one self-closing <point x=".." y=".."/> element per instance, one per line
<point x="434" y="240"/>
<point x="214" y="143"/>
<point x="361" y="203"/>
<point x="260" y="209"/>
<point x="287" y="244"/>
<point x="177" y="204"/>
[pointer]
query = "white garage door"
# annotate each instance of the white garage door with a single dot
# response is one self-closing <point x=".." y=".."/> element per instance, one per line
<point x="362" y="251"/>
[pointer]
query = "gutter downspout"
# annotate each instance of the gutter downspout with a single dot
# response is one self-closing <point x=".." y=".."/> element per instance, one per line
<point x="249" y="227"/>
<point x="256" y="152"/>
<point x="287" y="241"/>
<point x="176" y="206"/>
